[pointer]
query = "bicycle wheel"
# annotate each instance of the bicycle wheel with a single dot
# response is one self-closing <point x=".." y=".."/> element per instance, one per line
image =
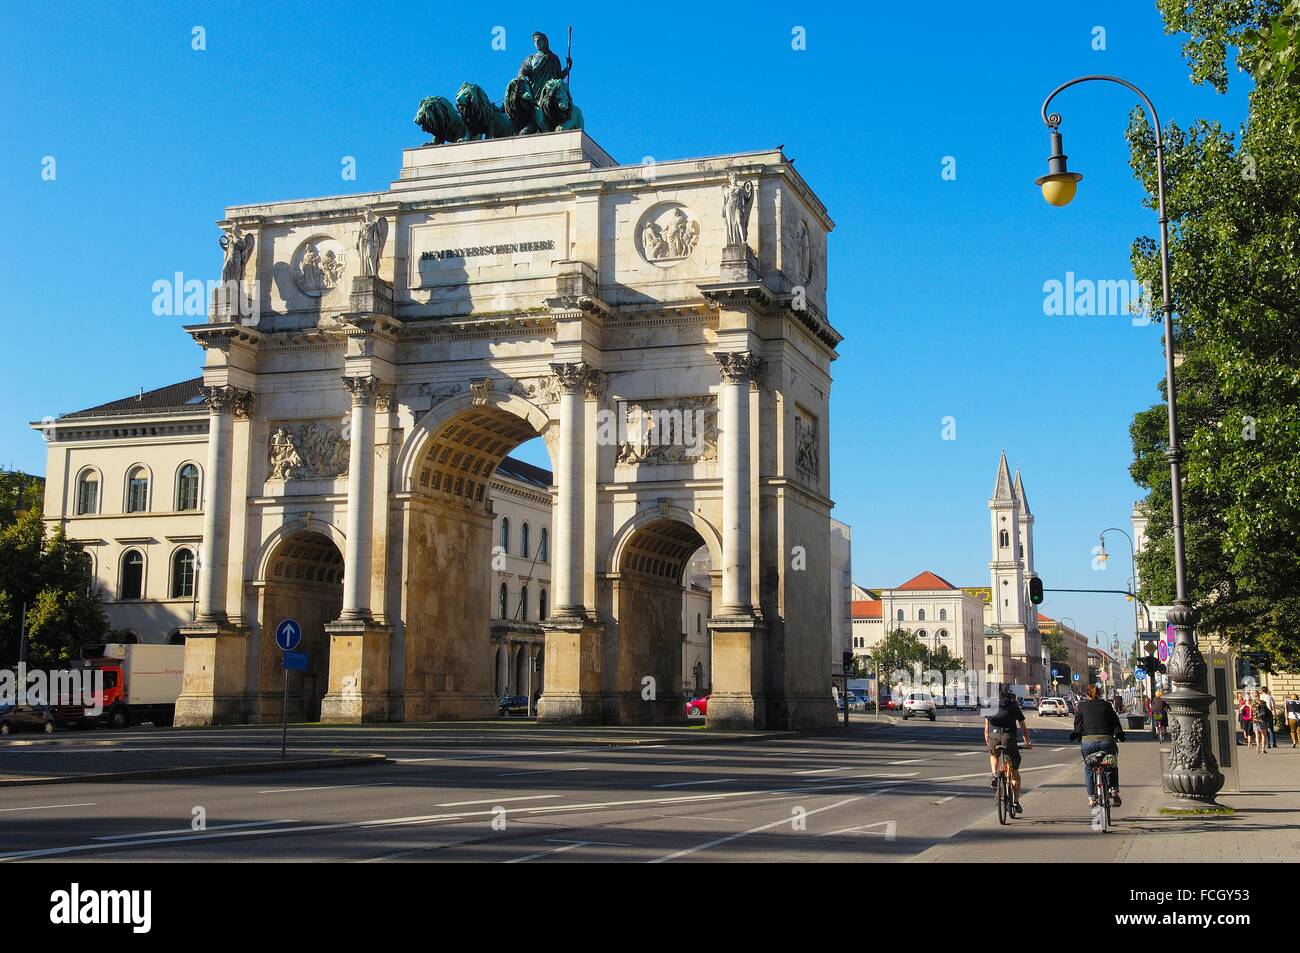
<point x="1103" y="797"/>
<point x="1004" y="799"/>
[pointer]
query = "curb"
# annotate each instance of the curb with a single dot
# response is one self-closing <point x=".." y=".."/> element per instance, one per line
<point x="243" y="767"/>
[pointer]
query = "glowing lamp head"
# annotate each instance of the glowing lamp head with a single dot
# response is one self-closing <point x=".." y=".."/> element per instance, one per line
<point x="1060" y="184"/>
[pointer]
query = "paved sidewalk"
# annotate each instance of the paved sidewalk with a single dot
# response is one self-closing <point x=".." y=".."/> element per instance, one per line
<point x="1056" y="824"/>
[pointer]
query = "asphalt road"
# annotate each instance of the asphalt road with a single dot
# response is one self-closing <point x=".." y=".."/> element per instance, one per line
<point x="878" y="793"/>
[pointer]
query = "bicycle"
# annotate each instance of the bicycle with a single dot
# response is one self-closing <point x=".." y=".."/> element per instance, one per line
<point x="1006" y="790"/>
<point x="1100" y="764"/>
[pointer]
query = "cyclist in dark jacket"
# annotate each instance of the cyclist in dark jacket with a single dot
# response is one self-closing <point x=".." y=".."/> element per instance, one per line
<point x="1097" y="728"/>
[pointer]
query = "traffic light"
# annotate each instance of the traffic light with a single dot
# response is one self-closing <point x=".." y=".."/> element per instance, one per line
<point x="1150" y="664"/>
<point x="848" y="662"/>
<point x="1036" y="591"/>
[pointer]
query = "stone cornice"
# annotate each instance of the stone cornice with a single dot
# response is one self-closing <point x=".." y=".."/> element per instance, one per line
<point x="223" y="335"/>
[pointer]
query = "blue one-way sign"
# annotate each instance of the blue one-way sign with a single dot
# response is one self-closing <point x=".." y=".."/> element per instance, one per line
<point x="287" y="635"/>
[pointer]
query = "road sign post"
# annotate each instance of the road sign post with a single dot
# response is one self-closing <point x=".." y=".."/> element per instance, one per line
<point x="287" y="636"/>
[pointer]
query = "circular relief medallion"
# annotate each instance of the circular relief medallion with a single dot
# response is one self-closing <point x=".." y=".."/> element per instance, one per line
<point x="318" y="265"/>
<point x="667" y="234"/>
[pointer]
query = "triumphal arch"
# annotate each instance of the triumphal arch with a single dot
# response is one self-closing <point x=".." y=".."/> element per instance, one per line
<point x="661" y="326"/>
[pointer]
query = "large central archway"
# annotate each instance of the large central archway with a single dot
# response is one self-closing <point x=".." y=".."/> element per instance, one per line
<point x="444" y="646"/>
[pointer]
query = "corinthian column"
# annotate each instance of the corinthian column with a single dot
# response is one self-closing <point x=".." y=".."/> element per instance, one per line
<point x="572" y="380"/>
<point x="738" y="369"/>
<point x="360" y="522"/>
<point x="223" y="404"/>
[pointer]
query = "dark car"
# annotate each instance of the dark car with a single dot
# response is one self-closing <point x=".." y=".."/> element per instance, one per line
<point x="513" y="705"/>
<point x="15" y="718"/>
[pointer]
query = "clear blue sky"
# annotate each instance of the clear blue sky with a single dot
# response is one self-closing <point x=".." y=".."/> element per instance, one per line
<point x="936" y="285"/>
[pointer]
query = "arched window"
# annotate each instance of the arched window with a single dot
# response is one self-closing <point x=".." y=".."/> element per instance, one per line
<point x="88" y="567"/>
<point x="137" y="490"/>
<point x="187" y="488"/>
<point x="541" y="605"/>
<point x="523" y="602"/>
<point x="132" y="586"/>
<point x="543" y="548"/>
<point x="699" y="623"/>
<point x="503" y="603"/>
<point x="920" y="615"/>
<point x="87" y="493"/>
<point x="183" y="574"/>
<point x="943" y="634"/>
<point x="990" y="669"/>
<point x="900" y="615"/>
<point x="1003" y="539"/>
<point x="988" y="650"/>
<point x="943" y="615"/>
<point x="176" y="638"/>
<point x="505" y="536"/>
<point x="523" y="541"/>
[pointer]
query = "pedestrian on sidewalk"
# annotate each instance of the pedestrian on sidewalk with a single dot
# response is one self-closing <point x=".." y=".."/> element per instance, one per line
<point x="1244" y="716"/>
<point x="1097" y="728"/>
<point x="1259" y="716"/>
<point x="1293" y="719"/>
<point x="1266" y="699"/>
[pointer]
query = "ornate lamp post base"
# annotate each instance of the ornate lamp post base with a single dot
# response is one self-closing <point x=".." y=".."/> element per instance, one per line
<point x="1191" y="771"/>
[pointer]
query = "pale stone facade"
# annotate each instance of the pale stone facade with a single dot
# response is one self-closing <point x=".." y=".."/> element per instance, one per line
<point x="684" y="401"/>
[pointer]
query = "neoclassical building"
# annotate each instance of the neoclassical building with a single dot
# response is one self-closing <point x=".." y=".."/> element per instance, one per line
<point x="993" y="628"/>
<point x="369" y="361"/>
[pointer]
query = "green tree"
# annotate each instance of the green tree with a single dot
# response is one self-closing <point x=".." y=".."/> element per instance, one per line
<point x="1234" y="207"/>
<point x="51" y="577"/>
<point x="898" y="650"/>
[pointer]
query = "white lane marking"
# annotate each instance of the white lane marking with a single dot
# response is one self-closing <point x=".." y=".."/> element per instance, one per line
<point x="1062" y="748"/>
<point x="183" y="830"/>
<point x="45" y="807"/>
<point x="967" y="754"/>
<point x="775" y="794"/>
<point x="497" y="800"/>
<point x="945" y="800"/>
<point x="824" y="770"/>
<point x="554" y="850"/>
<point x="753" y="830"/>
<point x="908" y="761"/>
<point x="686" y="784"/>
<point x="520" y="774"/>
<point x="415" y="760"/>
<point x="890" y="831"/>
<point x="325" y="787"/>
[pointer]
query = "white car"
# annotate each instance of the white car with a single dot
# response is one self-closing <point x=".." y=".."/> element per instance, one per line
<point x="1052" y="706"/>
<point x="919" y="703"/>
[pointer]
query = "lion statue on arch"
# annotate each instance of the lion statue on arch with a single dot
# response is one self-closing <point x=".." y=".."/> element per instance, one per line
<point x="438" y="117"/>
<point x="483" y="118"/>
<point x="557" y="108"/>
<point x="521" y="109"/>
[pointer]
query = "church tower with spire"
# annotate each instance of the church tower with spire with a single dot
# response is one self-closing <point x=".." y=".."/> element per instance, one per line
<point x="1007" y="567"/>
<point x="1010" y="569"/>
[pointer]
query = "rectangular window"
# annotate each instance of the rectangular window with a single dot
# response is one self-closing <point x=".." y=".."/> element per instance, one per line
<point x="137" y="495"/>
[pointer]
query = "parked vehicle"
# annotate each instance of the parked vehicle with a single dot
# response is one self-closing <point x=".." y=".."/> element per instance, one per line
<point x="512" y="705"/>
<point x="1030" y="701"/>
<point x="16" y="718"/>
<point x="1053" y="707"/>
<point x="919" y="703"/>
<point x="698" y="707"/>
<point x="141" y="682"/>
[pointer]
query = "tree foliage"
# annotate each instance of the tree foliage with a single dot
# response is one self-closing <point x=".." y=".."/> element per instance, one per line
<point x="1233" y="201"/>
<point x="49" y="575"/>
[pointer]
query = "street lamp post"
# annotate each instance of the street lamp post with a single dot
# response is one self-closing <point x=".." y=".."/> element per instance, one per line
<point x="1191" y="771"/>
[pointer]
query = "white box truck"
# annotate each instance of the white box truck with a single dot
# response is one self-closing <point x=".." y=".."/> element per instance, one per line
<point x="141" y="682"/>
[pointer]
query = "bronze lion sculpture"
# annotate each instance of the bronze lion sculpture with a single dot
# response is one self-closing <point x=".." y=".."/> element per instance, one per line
<point x="557" y="108"/>
<point x="438" y="117"/>
<point x="483" y="119"/>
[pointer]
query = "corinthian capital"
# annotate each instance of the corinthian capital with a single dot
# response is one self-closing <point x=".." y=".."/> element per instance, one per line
<point x="363" y="389"/>
<point x="570" y="377"/>
<point x="228" y="400"/>
<point x="739" y="367"/>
